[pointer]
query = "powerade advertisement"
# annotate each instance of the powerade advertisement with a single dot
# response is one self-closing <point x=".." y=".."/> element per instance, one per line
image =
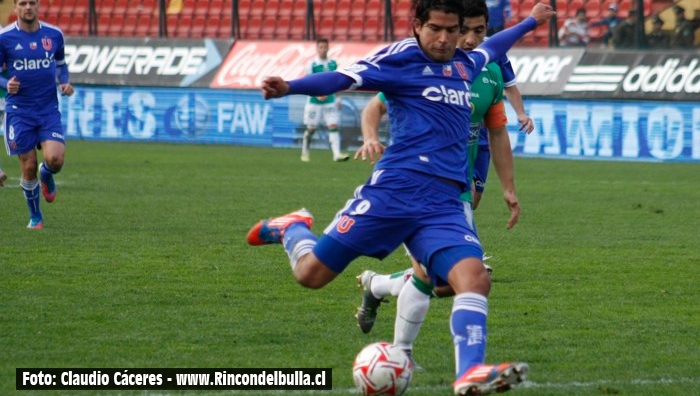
<point x="613" y="130"/>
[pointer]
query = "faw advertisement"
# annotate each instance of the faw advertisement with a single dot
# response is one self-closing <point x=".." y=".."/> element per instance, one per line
<point x="576" y="129"/>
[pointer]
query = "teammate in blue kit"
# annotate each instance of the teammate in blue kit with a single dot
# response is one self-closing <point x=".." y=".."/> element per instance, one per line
<point x="413" y="195"/>
<point x="33" y="53"/>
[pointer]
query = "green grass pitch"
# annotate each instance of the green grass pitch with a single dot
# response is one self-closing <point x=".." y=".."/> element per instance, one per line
<point x="143" y="263"/>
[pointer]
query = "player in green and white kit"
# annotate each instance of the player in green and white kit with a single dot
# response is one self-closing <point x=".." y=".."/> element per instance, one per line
<point x="322" y="109"/>
<point x="413" y="286"/>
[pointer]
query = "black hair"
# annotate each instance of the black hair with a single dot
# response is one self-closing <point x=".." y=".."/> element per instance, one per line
<point x="321" y="40"/>
<point x="421" y="8"/>
<point x="475" y="9"/>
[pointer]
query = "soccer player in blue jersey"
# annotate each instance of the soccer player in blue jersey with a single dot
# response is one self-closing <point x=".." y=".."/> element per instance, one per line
<point x="413" y="195"/>
<point x="33" y="53"/>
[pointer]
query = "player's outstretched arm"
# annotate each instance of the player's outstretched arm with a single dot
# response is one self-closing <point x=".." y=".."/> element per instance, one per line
<point x="502" y="157"/>
<point x="516" y="101"/>
<point x="317" y="84"/>
<point x="371" y="119"/>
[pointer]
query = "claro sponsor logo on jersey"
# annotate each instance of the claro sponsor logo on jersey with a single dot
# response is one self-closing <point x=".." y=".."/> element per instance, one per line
<point x="139" y="60"/>
<point x="447" y="95"/>
<point x="33" y="64"/>
<point x="671" y="77"/>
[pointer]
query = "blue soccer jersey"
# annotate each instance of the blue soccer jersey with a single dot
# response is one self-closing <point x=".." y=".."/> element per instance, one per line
<point x="433" y="139"/>
<point x="33" y="57"/>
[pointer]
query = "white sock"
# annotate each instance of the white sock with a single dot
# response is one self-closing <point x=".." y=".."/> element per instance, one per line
<point x="305" y="143"/>
<point x="334" y="140"/>
<point x="411" y="309"/>
<point x="389" y="285"/>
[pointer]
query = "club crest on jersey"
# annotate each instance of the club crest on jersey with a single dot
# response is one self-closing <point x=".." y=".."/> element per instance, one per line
<point x="32" y="45"/>
<point x="462" y="70"/>
<point x="47" y="43"/>
<point x="447" y="70"/>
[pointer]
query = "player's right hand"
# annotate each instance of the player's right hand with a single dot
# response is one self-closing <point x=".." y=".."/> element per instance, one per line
<point x="13" y="85"/>
<point x="542" y="13"/>
<point x="274" y="87"/>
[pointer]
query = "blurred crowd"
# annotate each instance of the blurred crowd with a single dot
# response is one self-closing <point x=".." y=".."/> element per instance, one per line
<point x="622" y="32"/>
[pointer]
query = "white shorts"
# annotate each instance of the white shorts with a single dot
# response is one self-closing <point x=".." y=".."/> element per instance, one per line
<point x="317" y="114"/>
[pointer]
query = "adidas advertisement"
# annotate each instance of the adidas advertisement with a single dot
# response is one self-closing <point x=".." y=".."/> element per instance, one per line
<point x="622" y="75"/>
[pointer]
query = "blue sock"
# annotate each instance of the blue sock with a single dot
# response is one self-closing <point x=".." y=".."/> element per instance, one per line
<point x="46" y="173"/>
<point x="32" y="194"/>
<point x="298" y="240"/>
<point x="468" y="325"/>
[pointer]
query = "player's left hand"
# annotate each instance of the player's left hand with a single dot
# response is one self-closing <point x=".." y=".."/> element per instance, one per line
<point x="371" y="149"/>
<point x="66" y="89"/>
<point x="526" y="124"/>
<point x="514" y="208"/>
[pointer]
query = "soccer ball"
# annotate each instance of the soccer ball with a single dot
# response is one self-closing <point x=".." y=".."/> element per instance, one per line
<point x="382" y="369"/>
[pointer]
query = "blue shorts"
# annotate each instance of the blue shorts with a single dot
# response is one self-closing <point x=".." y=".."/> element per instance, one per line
<point x="399" y="206"/>
<point x="24" y="131"/>
<point x="481" y="167"/>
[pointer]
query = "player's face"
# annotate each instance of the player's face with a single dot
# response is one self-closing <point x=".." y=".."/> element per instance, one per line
<point x="27" y="10"/>
<point x="474" y="32"/>
<point x="438" y="35"/>
<point x="322" y="50"/>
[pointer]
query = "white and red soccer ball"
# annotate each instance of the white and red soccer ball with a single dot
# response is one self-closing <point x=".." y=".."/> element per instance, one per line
<point x="382" y="369"/>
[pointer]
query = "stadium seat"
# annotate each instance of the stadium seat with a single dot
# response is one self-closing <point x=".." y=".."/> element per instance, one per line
<point x="327" y="9"/>
<point x="342" y="9"/>
<point x="357" y="9"/>
<point x="130" y="21"/>
<point x="105" y="7"/>
<point x="286" y="7"/>
<point x="143" y="23"/>
<point x="199" y="22"/>
<point x="562" y="8"/>
<point x="574" y="5"/>
<point x="325" y="27"/>
<point x="252" y="30"/>
<point x="243" y="7"/>
<point x="356" y="29"/>
<point x="371" y="30"/>
<point x="257" y="8"/>
<point x="103" y="22"/>
<point x="592" y="9"/>
<point x="299" y="8"/>
<point x="211" y="27"/>
<point x="282" y="27"/>
<point x="188" y="7"/>
<point x="77" y="26"/>
<point x="225" y="27"/>
<point x="401" y="28"/>
<point x="374" y="9"/>
<point x="271" y="8"/>
<point x="80" y="7"/>
<point x="115" y="25"/>
<point x="267" y="31"/>
<point x="340" y="29"/>
<point x="298" y="28"/>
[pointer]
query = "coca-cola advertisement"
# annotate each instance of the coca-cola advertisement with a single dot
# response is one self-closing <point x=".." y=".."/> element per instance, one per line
<point x="249" y="62"/>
